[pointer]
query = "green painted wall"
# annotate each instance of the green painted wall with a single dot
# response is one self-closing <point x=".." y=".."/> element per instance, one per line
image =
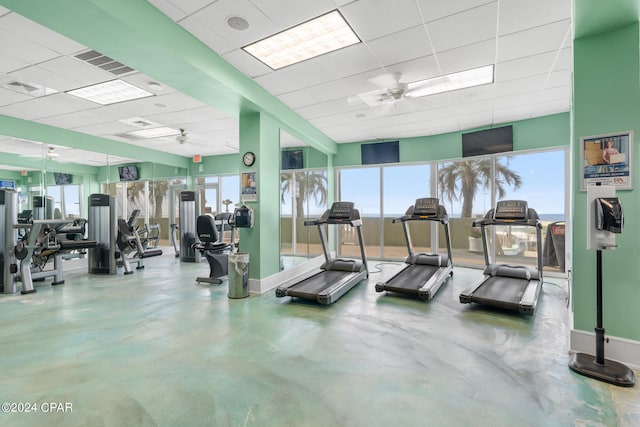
<point x="607" y="99"/>
<point x="228" y="164"/>
<point x="533" y="134"/>
<point x="261" y="135"/>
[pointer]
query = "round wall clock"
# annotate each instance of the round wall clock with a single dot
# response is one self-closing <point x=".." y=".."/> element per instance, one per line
<point x="248" y="158"/>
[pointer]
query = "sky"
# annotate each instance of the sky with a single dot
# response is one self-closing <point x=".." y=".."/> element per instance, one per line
<point x="542" y="186"/>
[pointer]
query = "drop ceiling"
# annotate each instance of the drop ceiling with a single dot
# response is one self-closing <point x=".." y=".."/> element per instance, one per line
<point x="529" y="43"/>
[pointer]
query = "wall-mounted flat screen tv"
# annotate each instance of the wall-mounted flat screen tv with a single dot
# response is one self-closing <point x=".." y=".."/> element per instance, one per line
<point x="128" y="173"/>
<point x="380" y="152"/>
<point x="7" y="184"/>
<point x="62" y="178"/>
<point x="490" y="141"/>
<point x="292" y="159"/>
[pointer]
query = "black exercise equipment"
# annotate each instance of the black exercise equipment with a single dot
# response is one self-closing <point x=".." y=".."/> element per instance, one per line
<point x="512" y="287"/>
<point x="423" y="273"/>
<point x="336" y="276"/>
<point x="130" y="246"/>
<point x="41" y="244"/>
<point x="210" y="231"/>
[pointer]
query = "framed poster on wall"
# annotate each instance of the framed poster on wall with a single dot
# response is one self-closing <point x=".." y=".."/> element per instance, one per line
<point x="607" y="159"/>
<point x="249" y="187"/>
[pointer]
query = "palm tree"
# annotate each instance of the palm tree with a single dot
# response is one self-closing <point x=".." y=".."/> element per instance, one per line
<point x="158" y="190"/>
<point x="461" y="180"/>
<point x="309" y="184"/>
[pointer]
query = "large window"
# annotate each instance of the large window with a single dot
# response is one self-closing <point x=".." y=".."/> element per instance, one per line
<point x="542" y="186"/>
<point x="66" y="201"/>
<point x="362" y="187"/>
<point x="402" y="185"/>
<point x="467" y="188"/>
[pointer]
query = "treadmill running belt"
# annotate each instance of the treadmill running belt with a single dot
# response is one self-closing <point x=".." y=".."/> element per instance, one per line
<point x="311" y="287"/>
<point x="501" y="289"/>
<point x="411" y="278"/>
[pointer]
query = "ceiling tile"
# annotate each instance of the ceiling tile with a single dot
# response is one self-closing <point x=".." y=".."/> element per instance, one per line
<point x="20" y="48"/>
<point x="468" y="57"/>
<point x="78" y="119"/>
<point x="8" y="97"/>
<point x="479" y="24"/>
<point x="545" y="38"/>
<point x="401" y="46"/>
<point x="44" y="77"/>
<point x="190" y="6"/>
<point x="216" y="14"/>
<point x="206" y="35"/>
<point x="294" y="77"/>
<point x="287" y="14"/>
<point x="432" y="10"/>
<point x="72" y="69"/>
<point x="518" y="15"/>
<point x="9" y="63"/>
<point x="39" y="35"/>
<point x="169" y="9"/>
<point x="372" y="19"/>
<point x="348" y="61"/>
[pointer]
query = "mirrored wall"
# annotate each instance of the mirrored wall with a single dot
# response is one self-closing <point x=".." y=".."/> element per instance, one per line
<point x="304" y="195"/>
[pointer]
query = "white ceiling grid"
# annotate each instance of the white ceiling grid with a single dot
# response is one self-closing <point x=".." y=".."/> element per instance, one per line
<point x="529" y="43"/>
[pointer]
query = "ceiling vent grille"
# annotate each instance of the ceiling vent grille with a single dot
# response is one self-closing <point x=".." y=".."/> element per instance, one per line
<point x="128" y="136"/>
<point x="23" y="86"/>
<point x="31" y="89"/>
<point x="104" y="62"/>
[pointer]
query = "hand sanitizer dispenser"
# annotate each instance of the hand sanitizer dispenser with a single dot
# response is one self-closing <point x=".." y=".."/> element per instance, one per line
<point x="243" y="217"/>
<point x="609" y="215"/>
<point x="604" y="217"/>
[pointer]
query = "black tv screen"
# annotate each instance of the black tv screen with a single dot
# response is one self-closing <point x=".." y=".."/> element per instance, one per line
<point x="380" y="152"/>
<point x="128" y="173"/>
<point x="62" y="178"/>
<point x="490" y="141"/>
<point x="292" y="159"/>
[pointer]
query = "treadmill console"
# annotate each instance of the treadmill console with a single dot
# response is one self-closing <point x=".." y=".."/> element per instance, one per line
<point x="341" y="210"/>
<point x="514" y="210"/>
<point x="426" y="207"/>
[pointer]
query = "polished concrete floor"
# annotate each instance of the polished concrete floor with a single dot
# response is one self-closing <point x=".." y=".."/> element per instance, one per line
<point x="154" y="348"/>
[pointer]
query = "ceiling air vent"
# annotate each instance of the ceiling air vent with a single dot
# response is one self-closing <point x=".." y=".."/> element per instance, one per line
<point x="23" y="86"/>
<point x="104" y="62"/>
<point x="31" y="89"/>
<point x="128" y="136"/>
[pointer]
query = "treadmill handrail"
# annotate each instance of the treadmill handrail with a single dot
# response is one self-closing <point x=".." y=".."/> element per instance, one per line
<point x="346" y="221"/>
<point x="487" y="221"/>
<point x="404" y="218"/>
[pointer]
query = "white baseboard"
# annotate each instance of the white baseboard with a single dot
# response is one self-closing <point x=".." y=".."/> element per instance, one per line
<point x="618" y="349"/>
<point x="261" y="286"/>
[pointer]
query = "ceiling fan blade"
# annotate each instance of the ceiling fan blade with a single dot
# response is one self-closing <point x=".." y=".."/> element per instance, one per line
<point x="386" y="80"/>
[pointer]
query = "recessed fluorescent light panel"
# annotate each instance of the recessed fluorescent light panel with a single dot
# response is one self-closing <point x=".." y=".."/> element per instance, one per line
<point x="449" y="82"/>
<point x="321" y="35"/>
<point x="159" y="132"/>
<point x="110" y="92"/>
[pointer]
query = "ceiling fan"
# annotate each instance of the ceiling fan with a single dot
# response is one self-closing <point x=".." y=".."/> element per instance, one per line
<point x="182" y="137"/>
<point x="393" y="89"/>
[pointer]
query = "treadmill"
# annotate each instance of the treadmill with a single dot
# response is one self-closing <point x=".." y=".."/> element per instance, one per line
<point x="423" y="273"/>
<point x="336" y="276"/>
<point x="512" y="287"/>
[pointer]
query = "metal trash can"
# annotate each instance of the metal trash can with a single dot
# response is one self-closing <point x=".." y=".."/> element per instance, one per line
<point x="238" y="275"/>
